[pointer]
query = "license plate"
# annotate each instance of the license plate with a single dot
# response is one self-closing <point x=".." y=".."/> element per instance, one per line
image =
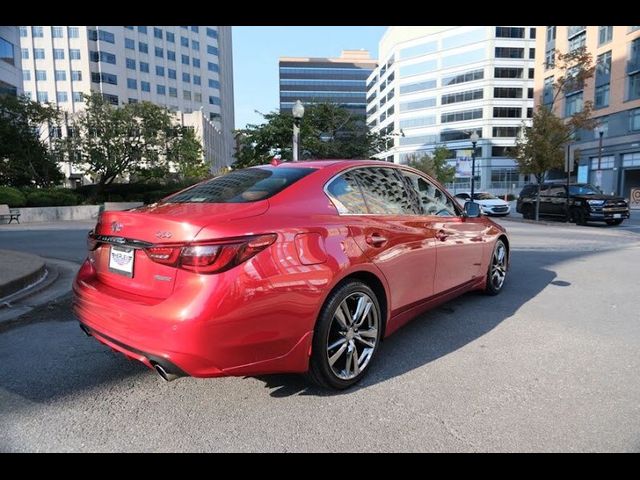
<point x="121" y="260"/>
<point x="617" y="215"/>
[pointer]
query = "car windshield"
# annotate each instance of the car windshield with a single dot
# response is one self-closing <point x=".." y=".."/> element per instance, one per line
<point x="483" y="196"/>
<point x="584" y="190"/>
<point x="241" y="186"/>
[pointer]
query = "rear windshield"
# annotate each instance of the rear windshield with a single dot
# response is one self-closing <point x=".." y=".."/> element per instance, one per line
<point x="242" y="186"/>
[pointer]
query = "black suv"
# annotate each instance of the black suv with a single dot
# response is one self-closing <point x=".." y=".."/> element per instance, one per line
<point x="586" y="203"/>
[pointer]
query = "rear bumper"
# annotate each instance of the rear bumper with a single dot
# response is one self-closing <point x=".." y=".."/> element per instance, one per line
<point x="207" y="328"/>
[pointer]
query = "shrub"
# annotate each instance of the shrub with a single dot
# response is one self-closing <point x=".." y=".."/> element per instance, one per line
<point x="12" y="197"/>
<point x="58" y="197"/>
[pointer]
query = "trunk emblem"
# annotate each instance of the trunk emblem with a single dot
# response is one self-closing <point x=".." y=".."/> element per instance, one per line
<point x="163" y="234"/>
<point x="116" y="227"/>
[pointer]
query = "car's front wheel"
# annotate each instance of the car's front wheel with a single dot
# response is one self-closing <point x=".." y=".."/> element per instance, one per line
<point x="346" y="337"/>
<point x="497" y="269"/>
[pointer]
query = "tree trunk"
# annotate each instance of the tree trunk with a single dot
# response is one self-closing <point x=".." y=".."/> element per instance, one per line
<point x="538" y="202"/>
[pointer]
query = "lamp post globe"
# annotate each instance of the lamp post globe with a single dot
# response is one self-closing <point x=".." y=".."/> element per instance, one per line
<point x="297" y="111"/>
<point x="474" y="140"/>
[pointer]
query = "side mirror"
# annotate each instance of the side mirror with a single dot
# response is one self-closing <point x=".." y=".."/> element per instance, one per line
<point x="472" y="209"/>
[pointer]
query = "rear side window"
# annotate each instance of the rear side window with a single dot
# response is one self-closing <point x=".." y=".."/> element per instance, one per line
<point x="431" y="199"/>
<point x="384" y="192"/>
<point x="346" y="194"/>
<point x="242" y="186"/>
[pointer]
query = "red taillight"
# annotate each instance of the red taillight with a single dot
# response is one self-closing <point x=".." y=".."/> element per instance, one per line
<point x="211" y="257"/>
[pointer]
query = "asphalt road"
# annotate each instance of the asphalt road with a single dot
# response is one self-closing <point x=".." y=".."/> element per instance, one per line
<point x="551" y="364"/>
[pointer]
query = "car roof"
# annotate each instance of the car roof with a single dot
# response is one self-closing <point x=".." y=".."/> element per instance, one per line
<point x="320" y="163"/>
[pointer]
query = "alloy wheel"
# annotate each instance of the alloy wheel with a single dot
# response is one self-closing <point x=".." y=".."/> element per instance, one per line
<point x="498" y="266"/>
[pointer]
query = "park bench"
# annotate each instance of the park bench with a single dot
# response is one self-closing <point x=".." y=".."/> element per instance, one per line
<point x="10" y="213"/>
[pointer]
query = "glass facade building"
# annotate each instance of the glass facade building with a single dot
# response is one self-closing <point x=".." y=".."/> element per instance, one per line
<point x="11" y="77"/>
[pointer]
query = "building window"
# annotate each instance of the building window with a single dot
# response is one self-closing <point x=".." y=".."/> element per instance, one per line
<point x="212" y="50"/>
<point x="7" y="52"/>
<point x="61" y="75"/>
<point x="145" y="86"/>
<point x="579" y="41"/>
<point x="159" y="52"/>
<point x="417" y="105"/>
<point x="77" y="97"/>
<point x="161" y="90"/>
<point x="532" y="32"/>
<point x="530" y="92"/>
<point x="196" y="62"/>
<point x="532" y="54"/>
<point x="102" y="56"/>
<point x="631" y="159"/>
<point x="57" y="32"/>
<point x="500" y="151"/>
<point x="185" y="59"/>
<point x="214" y="100"/>
<point x="173" y="92"/>
<point x="507" y="72"/>
<point x="634" y="86"/>
<point x="102" y="77"/>
<point x="186" y="77"/>
<point x="172" y="73"/>
<point x="462" y="96"/>
<point x="573" y="104"/>
<point x="186" y="95"/>
<point x="195" y="28"/>
<point x="531" y="73"/>
<point x="41" y="75"/>
<point x="143" y="47"/>
<point x="129" y="43"/>
<point x="197" y="97"/>
<point x="461" y="116"/>
<point x="62" y="97"/>
<point x="159" y="71"/>
<point x="505" y="131"/>
<point x="507" y="92"/>
<point x="551" y="33"/>
<point x="549" y="60"/>
<point x="605" y="34"/>
<point x="634" y="28"/>
<point x="603" y="67"/>
<point x="171" y="38"/>
<point x="25" y="53"/>
<point x="26" y="75"/>
<point x="76" y="75"/>
<point x="43" y="97"/>
<point x="195" y="45"/>
<point x="602" y="96"/>
<point x="212" y="33"/>
<point x="547" y="91"/>
<point x="455" y="79"/>
<point x="184" y="41"/>
<point x="37" y="32"/>
<point x="509" y="52"/>
<point x="197" y="80"/>
<point x="74" y="32"/>
<point x="157" y="32"/>
<point x="144" y="67"/>
<point x="103" y="35"/>
<point x="23" y="31"/>
<point x="507" y="112"/>
<point x="131" y="64"/>
<point x="171" y="55"/>
<point x="214" y="84"/>
<point x="74" y="54"/>
<point x="213" y="67"/>
<point x="509" y="32"/>
<point x="132" y="83"/>
<point x="38" y="53"/>
<point x="142" y="29"/>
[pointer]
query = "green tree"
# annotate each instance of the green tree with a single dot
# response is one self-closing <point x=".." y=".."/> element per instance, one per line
<point x="184" y="152"/>
<point x="25" y="157"/>
<point x="326" y="131"/>
<point x="541" y="147"/>
<point x="435" y="164"/>
<point x="136" y="139"/>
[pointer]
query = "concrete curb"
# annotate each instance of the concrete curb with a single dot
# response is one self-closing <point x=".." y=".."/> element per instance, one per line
<point x="541" y="222"/>
<point x="19" y="271"/>
<point x="57" y="285"/>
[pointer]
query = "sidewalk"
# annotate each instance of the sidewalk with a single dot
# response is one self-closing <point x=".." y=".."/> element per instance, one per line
<point x="19" y="270"/>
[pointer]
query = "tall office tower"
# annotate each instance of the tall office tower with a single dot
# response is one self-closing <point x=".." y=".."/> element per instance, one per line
<point x="10" y="75"/>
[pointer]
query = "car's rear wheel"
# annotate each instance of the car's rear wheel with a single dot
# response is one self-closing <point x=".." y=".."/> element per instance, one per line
<point x="527" y="212"/>
<point x="579" y="216"/>
<point x="346" y="337"/>
<point x="497" y="273"/>
<point x="618" y="221"/>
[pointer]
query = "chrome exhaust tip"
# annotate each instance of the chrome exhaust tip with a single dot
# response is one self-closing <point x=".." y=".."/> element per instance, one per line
<point x="166" y="376"/>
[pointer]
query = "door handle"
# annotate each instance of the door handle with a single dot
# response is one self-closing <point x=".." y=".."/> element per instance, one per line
<point x="376" y="240"/>
<point x="441" y="235"/>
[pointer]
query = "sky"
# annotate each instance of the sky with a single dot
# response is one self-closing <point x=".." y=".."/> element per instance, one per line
<point x="255" y="59"/>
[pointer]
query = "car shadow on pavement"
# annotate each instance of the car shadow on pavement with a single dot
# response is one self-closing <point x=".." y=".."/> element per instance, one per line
<point x="447" y="328"/>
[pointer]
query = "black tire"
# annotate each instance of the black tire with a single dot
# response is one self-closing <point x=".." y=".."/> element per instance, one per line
<point x="328" y="329"/>
<point x="579" y="216"/>
<point x="493" y="286"/>
<point x="617" y="221"/>
<point x="527" y="212"/>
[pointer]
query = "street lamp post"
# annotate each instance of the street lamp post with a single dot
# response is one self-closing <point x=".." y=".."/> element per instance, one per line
<point x="474" y="139"/>
<point x="298" y="112"/>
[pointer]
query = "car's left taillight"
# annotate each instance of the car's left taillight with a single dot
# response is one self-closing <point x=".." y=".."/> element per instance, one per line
<point x="210" y="257"/>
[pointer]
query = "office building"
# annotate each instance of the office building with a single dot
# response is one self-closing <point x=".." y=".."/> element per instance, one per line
<point x="336" y="80"/>
<point x="10" y="75"/>
<point x="435" y="85"/>
<point x="185" y="68"/>
<point x="609" y="155"/>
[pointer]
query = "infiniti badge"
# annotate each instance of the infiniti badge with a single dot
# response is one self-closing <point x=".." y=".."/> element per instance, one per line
<point x="162" y="234"/>
<point x="116" y="227"/>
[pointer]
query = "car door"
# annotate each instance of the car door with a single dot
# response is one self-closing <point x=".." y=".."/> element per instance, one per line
<point x="391" y="233"/>
<point x="546" y="205"/>
<point x="459" y="240"/>
<point x="557" y="199"/>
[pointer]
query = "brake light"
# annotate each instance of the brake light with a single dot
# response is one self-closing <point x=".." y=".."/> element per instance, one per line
<point x="214" y="257"/>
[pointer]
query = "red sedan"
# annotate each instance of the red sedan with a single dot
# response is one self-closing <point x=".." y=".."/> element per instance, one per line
<point x="299" y="267"/>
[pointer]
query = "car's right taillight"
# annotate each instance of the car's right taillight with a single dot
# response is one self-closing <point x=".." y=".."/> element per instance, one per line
<point x="210" y="257"/>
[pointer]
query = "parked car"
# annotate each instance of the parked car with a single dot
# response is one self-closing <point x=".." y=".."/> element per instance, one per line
<point x="489" y="203"/>
<point x="297" y="267"/>
<point x="586" y="203"/>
